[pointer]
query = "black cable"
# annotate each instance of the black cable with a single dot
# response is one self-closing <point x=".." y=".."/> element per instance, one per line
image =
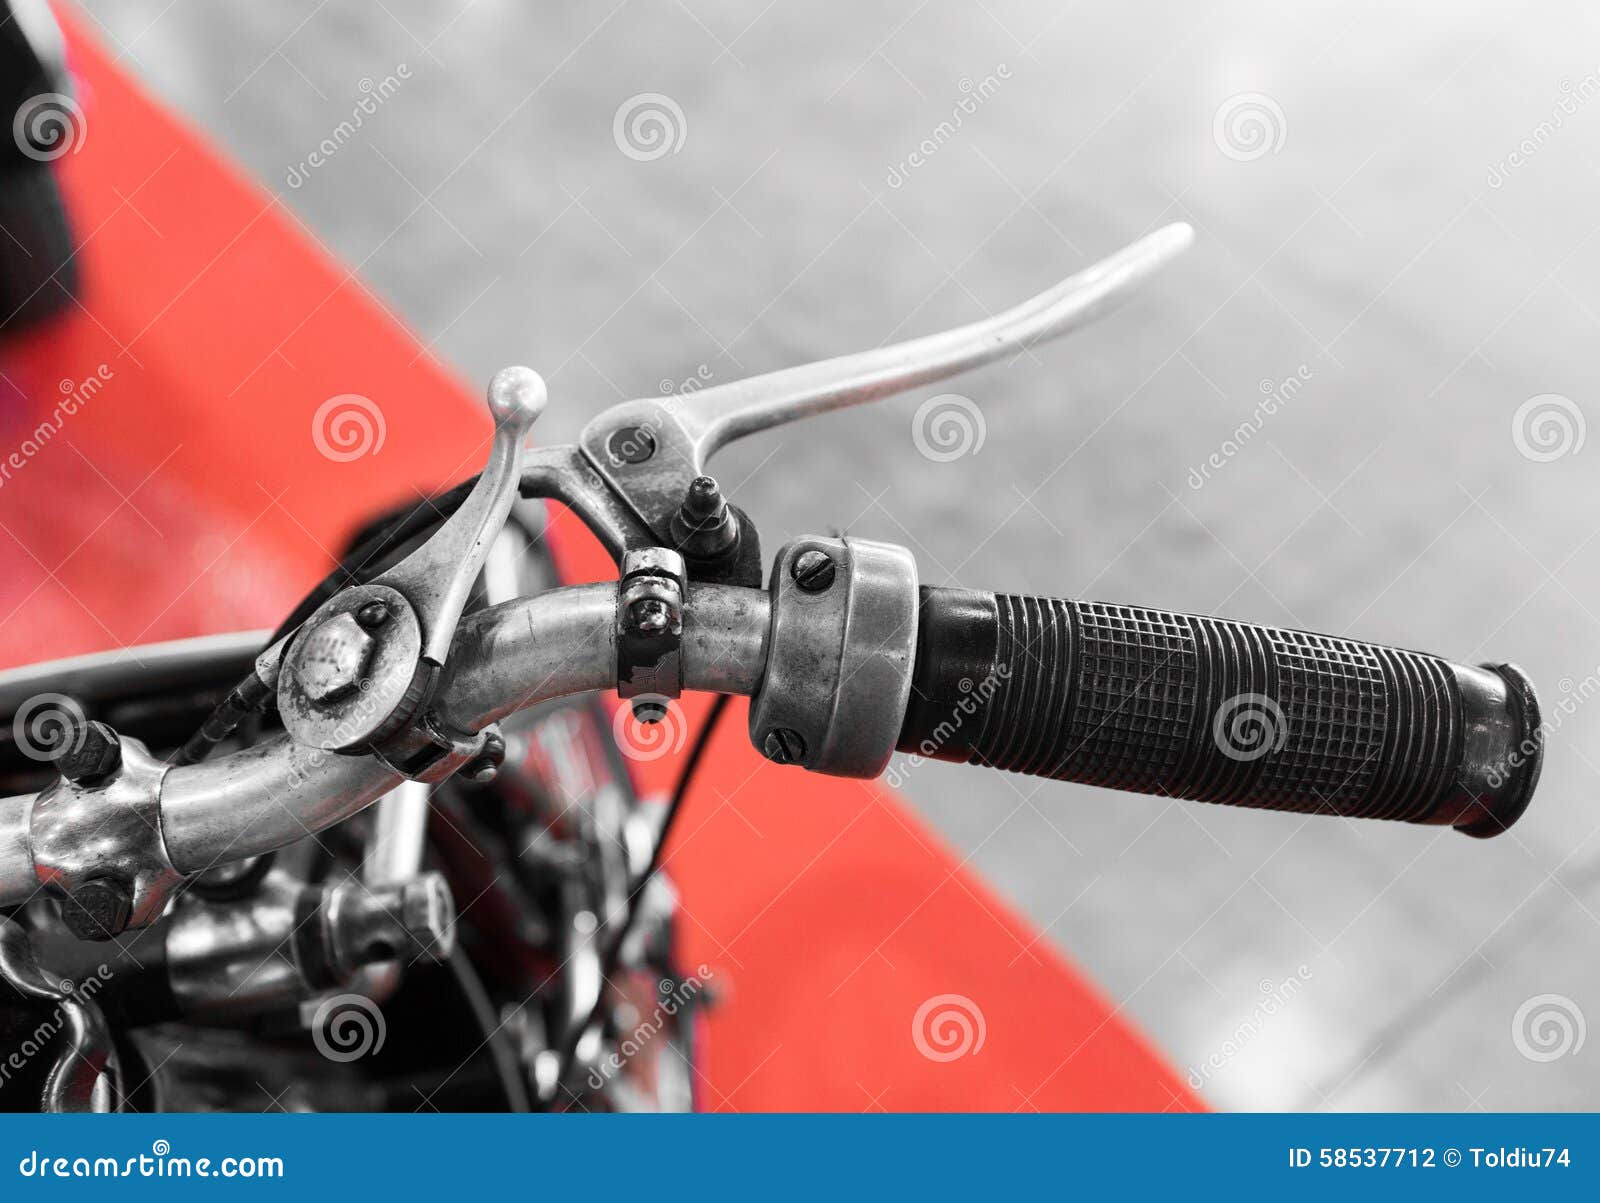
<point x="358" y="566"/>
<point x="507" y="1068"/>
<point x="612" y="951"/>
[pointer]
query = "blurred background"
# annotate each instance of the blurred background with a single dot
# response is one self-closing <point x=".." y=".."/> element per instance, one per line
<point x="1358" y="405"/>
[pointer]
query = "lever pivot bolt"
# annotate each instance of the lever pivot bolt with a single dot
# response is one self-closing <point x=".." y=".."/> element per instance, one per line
<point x="813" y="571"/>
<point x="631" y="445"/>
<point x="783" y="746"/>
<point x="90" y="753"/>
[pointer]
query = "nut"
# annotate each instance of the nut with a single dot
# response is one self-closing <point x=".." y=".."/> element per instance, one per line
<point x="428" y="911"/>
<point x="92" y="753"/>
<point x="97" y="910"/>
<point x="651" y="616"/>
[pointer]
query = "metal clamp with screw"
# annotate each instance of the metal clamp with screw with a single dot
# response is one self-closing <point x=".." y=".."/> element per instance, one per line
<point x="839" y="656"/>
<point x="96" y="835"/>
<point x="650" y="629"/>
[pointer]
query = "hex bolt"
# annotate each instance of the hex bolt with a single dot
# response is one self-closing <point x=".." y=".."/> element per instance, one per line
<point x="372" y="615"/>
<point x="98" y="909"/>
<point x="783" y="746"/>
<point x="813" y="571"/>
<point x="631" y="445"/>
<point x="91" y="754"/>
<point x="650" y="616"/>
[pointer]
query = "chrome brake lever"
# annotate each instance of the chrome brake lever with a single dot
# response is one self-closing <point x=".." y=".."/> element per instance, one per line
<point x="648" y="451"/>
<point x="360" y="670"/>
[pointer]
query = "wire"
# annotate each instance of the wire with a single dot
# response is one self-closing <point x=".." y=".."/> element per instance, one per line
<point x="372" y="545"/>
<point x="612" y="952"/>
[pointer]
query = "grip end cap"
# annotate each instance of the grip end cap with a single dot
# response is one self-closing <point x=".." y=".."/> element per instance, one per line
<point x="1522" y="764"/>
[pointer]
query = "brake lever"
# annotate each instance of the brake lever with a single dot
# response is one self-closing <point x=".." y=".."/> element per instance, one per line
<point x="360" y="672"/>
<point x="646" y="454"/>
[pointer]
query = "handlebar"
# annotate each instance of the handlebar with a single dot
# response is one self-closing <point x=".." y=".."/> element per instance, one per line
<point x="1218" y="711"/>
<point x="845" y="659"/>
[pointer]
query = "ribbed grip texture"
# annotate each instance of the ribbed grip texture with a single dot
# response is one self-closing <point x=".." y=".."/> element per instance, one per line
<point x="1218" y="711"/>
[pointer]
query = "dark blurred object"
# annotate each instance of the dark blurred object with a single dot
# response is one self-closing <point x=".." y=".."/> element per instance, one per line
<point x="38" y="276"/>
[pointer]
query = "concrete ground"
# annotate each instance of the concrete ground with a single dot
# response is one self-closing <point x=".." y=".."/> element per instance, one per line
<point x="1395" y="203"/>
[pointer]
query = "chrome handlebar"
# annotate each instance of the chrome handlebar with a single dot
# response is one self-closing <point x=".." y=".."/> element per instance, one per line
<point x="388" y="680"/>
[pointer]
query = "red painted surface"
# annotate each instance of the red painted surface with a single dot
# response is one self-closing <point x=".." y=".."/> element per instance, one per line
<point x="189" y="495"/>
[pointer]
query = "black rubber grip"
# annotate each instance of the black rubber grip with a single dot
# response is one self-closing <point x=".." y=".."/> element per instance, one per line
<point x="1220" y="711"/>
